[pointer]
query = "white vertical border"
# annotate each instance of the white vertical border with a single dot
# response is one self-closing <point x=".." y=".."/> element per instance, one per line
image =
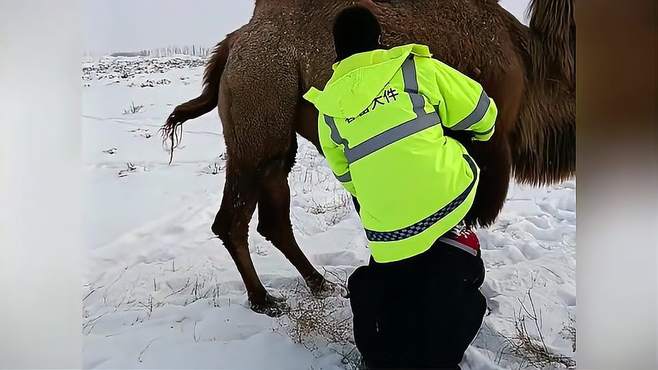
<point x="40" y="183"/>
<point x="617" y="146"/>
<point x="40" y="255"/>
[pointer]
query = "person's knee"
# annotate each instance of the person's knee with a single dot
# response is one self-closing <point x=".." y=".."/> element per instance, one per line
<point x="476" y="307"/>
<point x="481" y="304"/>
<point x="357" y="280"/>
<point x="479" y="273"/>
<point x="474" y="272"/>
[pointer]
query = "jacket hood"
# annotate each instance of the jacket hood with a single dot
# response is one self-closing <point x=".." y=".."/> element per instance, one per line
<point x="357" y="80"/>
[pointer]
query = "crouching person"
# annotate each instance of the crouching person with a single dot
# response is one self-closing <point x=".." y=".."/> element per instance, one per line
<point x="381" y="126"/>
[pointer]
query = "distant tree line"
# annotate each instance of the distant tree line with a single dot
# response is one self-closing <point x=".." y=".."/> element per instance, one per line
<point x="193" y="50"/>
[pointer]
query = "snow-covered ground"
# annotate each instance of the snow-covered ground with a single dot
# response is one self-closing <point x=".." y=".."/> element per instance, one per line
<point x="162" y="292"/>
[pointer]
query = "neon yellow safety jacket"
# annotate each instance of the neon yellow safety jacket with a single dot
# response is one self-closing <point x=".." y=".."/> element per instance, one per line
<point x="380" y="128"/>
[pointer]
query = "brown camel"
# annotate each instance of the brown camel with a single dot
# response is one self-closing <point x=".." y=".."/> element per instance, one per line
<point x="258" y="74"/>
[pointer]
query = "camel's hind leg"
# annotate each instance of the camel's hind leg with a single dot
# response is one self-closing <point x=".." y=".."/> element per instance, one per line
<point x="244" y="132"/>
<point x="232" y="224"/>
<point x="274" y="220"/>
<point x="258" y="118"/>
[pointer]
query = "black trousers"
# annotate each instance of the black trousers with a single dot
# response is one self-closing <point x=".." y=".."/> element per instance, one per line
<point x="421" y="312"/>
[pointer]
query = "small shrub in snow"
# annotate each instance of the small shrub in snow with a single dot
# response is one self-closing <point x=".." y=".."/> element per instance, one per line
<point x="333" y="210"/>
<point x="340" y="201"/>
<point x="130" y="168"/>
<point x="143" y="132"/>
<point x="212" y="169"/>
<point x="569" y="333"/>
<point x="215" y="167"/>
<point x="321" y="324"/>
<point x="532" y="350"/>
<point x="132" y="109"/>
<point x="152" y="83"/>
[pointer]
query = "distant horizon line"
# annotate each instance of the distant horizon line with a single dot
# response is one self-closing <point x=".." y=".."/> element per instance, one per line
<point x="108" y="52"/>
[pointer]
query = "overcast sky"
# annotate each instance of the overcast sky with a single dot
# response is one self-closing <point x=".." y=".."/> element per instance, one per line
<point x="127" y="25"/>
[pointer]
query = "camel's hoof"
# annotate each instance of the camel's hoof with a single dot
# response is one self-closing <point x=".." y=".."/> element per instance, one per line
<point x="323" y="288"/>
<point x="270" y="306"/>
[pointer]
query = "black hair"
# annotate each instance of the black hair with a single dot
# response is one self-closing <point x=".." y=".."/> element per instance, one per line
<point x="355" y="30"/>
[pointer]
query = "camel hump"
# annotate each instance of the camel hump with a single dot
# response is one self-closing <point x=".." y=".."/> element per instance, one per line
<point x="553" y="22"/>
<point x="545" y="136"/>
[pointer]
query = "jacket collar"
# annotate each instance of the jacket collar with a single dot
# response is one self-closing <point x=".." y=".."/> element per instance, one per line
<point x="347" y="93"/>
<point x="370" y="58"/>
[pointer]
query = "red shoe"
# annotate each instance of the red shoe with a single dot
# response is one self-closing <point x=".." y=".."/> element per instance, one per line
<point x="463" y="238"/>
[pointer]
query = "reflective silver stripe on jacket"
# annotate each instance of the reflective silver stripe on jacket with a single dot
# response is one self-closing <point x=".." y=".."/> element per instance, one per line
<point x="411" y="86"/>
<point x="476" y="115"/>
<point x="420" y="122"/>
<point x="390" y="136"/>
<point x="346" y="177"/>
<point x="335" y="135"/>
<point x="427" y="222"/>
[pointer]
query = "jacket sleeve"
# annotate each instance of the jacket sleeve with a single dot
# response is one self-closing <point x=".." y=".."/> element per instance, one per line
<point x="465" y="104"/>
<point x="335" y="155"/>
